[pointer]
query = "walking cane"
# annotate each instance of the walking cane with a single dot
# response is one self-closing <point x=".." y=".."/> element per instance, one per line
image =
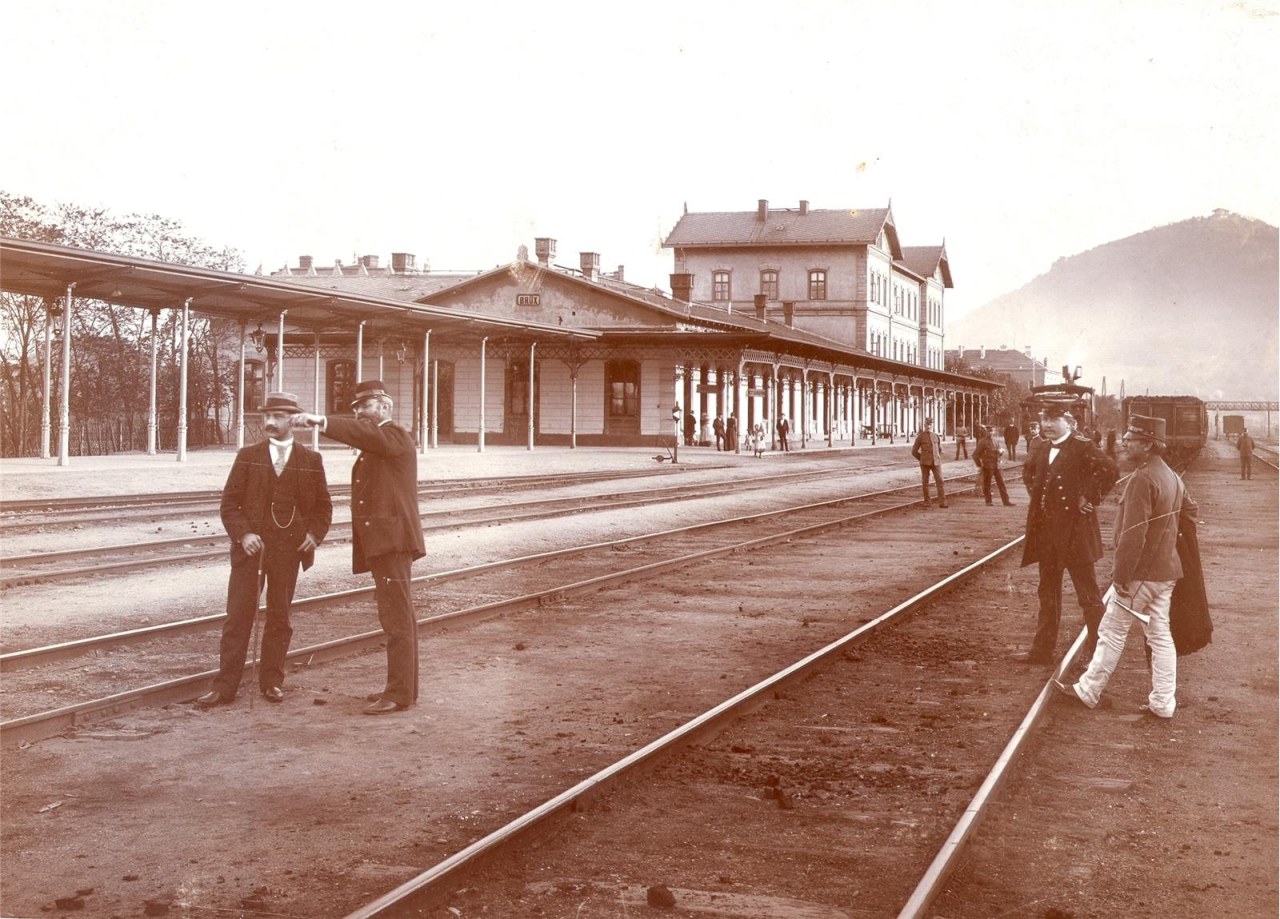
<point x="257" y="608"/>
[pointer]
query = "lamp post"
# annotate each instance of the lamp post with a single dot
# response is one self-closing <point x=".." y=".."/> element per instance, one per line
<point x="675" y="417"/>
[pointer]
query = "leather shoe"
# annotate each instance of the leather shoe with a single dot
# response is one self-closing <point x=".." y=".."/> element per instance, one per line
<point x="1146" y="712"/>
<point x="1010" y="503"/>
<point x="1027" y="657"/>
<point x="212" y="698"/>
<point x="273" y="694"/>
<point x="383" y="707"/>
<point x="373" y="697"/>
<point x="1067" y="691"/>
<point x="943" y="504"/>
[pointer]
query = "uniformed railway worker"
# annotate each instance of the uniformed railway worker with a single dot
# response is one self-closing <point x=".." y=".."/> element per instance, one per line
<point x="276" y="501"/>
<point x="1146" y="568"/>
<point x="386" y="527"/>
<point x="927" y="450"/>
<point x="1067" y="477"/>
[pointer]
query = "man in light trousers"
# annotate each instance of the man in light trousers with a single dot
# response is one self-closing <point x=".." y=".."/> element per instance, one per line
<point x="1145" y="570"/>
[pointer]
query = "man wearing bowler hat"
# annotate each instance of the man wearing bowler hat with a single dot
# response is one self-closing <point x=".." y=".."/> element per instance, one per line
<point x="387" y="529"/>
<point x="1066" y="478"/>
<point x="1147" y="566"/>
<point x="276" y="508"/>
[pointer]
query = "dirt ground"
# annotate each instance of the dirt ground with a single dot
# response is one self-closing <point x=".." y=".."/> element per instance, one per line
<point x="148" y="814"/>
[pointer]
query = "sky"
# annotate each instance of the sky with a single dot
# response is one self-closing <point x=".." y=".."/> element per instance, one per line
<point x="1016" y="132"/>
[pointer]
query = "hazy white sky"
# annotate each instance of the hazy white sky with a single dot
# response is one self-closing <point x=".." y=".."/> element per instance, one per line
<point x="458" y="131"/>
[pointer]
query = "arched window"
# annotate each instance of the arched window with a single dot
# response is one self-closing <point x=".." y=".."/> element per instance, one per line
<point x="340" y="382"/>
<point x="720" y="290"/>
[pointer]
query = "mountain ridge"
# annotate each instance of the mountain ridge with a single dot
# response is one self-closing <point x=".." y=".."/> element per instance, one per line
<point x="1188" y="307"/>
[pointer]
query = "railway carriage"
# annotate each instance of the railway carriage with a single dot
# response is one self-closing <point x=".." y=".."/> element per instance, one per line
<point x="1186" y="420"/>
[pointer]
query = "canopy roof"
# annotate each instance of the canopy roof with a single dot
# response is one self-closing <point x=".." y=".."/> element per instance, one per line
<point x="45" y="270"/>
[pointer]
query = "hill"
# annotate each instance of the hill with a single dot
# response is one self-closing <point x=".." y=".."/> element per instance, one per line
<point x="1191" y="307"/>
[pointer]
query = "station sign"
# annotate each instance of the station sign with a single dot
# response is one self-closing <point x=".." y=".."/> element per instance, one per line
<point x="528" y="299"/>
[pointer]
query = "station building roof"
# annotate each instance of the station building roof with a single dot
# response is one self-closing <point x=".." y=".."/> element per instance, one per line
<point x="45" y="270"/>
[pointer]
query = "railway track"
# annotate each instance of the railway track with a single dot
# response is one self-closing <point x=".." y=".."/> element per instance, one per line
<point x="785" y="751"/>
<point x="335" y="624"/>
<point x="94" y="560"/>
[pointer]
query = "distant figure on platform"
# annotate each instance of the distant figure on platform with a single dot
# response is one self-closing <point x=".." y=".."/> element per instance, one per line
<point x="386" y="528"/>
<point x="690" y="425"/>
<point x="1146" y="567"/>
<point x="704" y="429"/>
<point x="962" y="443"/>
<point x="784" y="427"/>
<point x="928" y="450"/>
<point x="1245" y="445"/>
<point x="757" y="439"/>
<point x="1068" y="476"/>
<point x="987" y="456"/>
<point x="1111" y="443"/>
<point x="731" y="432"/>
<point x="1011" y="440"/>
<point x="718" y="427"/>
<point x="276" y="509"/>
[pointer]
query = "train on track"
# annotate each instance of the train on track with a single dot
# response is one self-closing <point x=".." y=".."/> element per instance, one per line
<point x="1186" y="421"/>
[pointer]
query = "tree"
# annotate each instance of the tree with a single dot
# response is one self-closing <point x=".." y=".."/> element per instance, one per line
<point x="111" y="356"/>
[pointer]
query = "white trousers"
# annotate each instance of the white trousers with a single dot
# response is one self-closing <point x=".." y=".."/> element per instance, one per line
<point x="1151" y="599"/>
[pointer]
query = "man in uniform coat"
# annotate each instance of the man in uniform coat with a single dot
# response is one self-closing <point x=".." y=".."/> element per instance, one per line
<point x="1146" y="568"/>
<point x="1011" y="440"/>
<point x="1245" y="445"/>
<point x="386" y="527"/>
<point x="1066" y="477"/>
<point x="276" y="508"/>
<point x="927" y="450"/>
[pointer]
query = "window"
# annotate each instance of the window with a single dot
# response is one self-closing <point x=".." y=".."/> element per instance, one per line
<point x="720" y="286"/>
<point x="769" y="284"/>
<point x="622" y="383"/>
<point x="818" y="284"/>
<point x="255" y="385"/>
<point x="340" y="382"/>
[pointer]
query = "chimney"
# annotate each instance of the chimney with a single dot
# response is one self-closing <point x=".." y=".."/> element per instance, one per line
<point x="404" y="263"/>
<point x="682" y="287"/>
<point x="304" y="262"/>
<point x="789" y="313"/>
<point x="804" y="208"/>
<point x="369" y="261"/>
<point x="590" y="262"/>
<point x="545" y="248"/>
<point x="762" y="210"/>
<point x="760" y="306"/>
<point x="620" y="272"/>
<point x="1026" y="349"/>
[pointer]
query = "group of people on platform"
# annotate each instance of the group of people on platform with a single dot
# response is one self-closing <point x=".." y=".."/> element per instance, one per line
<point x="1067" y="475"/>
<point x="277" y="510"/>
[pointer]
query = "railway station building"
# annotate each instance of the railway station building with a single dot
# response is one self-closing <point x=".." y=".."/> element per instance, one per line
<point x="821" y="317"/>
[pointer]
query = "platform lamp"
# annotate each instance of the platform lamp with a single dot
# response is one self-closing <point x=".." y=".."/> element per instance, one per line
<point x="402" y="351"/>
<point x="675" y="416"/>
<point x="257" y="336"/>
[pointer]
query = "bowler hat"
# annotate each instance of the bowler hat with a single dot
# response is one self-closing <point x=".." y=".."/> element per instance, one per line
<point x="280" y="402"/>
<point x="368" y="389"/>
<point x="1148" y="428"/>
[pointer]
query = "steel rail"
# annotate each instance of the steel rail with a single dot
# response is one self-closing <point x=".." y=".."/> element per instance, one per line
<point x="429" y="883"/>
<point x="47" y="724"/>
<point x="46" y="654"/>
<point x="550" y="508"/>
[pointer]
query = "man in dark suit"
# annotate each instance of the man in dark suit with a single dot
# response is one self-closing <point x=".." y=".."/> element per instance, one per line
<point x="387" y="529"/>
<point x="1067" y="478"/>
<point x="1011" y="440"/>
<point x="276" y="508"/>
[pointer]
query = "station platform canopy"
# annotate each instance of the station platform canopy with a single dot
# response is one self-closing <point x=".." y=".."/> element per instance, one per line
<point x="47" y="270"/>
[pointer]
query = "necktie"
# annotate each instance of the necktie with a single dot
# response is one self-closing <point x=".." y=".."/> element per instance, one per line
<point x="280" y="461"/>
